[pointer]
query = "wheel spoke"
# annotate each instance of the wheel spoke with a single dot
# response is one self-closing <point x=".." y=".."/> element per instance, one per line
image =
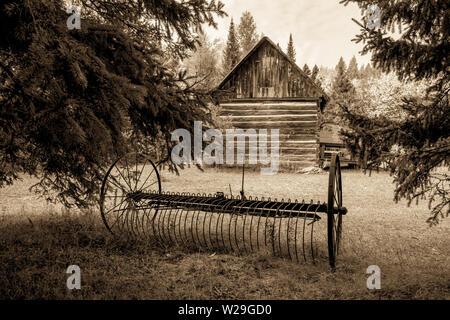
<point x="115" y="207"/>
<point x="153" y="183"/>
<point x="146" y="179"/>
<point x="116" y="183"/>
<point x="140" y="173"/>
<point x="128" y="172"/>
<point x="129" y="186"/>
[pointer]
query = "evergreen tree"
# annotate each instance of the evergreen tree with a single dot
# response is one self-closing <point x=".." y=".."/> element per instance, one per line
<point x="368" y="71"/>
<point x="415" y="146"/>
<point x="231" y="53"/>
<point x="73" y="100"/>
<point x="352" y="71"/>
<point x="306" y="70"/>
<point x="315" y="72"/>
<point x="342" y="93"/>
<point x="361" y="73"/>
<point x="341" y="65"/>
<point x="290" y="49"/>
<point x="247" y="35"/>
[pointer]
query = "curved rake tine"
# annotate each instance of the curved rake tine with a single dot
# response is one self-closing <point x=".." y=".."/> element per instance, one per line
<point x="244" y="204"/>
<point x="226" y="209"/>
<point x="161" y="218"/>
<point x="202" y="208"/>
<point x="239" y="208"/>
<point x="304" y="225"/>
<point x="134" y="218"/>
<point x="178" y="210"/>
<point x="185" y="209"/>
<point x="285" y="207"/>
<point x="288" y="243"/>
<point x="176" y="199"/>
<point x="250" y="206"/>
<point x="267" y="222"/>
<point x="197" y="208"/>
<point x="274" y="226"/>
<point x="219" y="207"/>
<point x="251" y="222"/>
<point x="123" y="219"/>
<point x="250" y="227"/>
<point x="159" y="201"/>
<point x="191" y="208"/>
<point x="138" y="211"/>
<point x="312" y="233"/>
<point x="233" y="210"/>
<point x="179" y="224"/>
<point x="117" y="221"/>
<point x="295" y="233"/>
<point x="261" y="213"/>
<point x="127" y="219"/>
<point x="222" y="213"/>
<point x="211" y="208"/>
<point x="141" y="211"/>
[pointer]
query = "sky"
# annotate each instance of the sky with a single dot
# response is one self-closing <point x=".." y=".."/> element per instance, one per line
<point x="321" y="29"/>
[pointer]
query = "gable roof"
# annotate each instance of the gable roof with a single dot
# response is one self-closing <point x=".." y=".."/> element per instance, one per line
<point x="263" y="40"/>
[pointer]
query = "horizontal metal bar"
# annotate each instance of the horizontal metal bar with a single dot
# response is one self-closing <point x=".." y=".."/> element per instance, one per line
<point x="235" y="206"/>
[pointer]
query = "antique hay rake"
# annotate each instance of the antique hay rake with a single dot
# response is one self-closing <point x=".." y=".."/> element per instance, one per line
<point x="132" y="202"/>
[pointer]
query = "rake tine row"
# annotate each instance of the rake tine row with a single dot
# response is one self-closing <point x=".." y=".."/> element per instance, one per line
<point x="210" y="222"/>
<point x="232" y="224"/>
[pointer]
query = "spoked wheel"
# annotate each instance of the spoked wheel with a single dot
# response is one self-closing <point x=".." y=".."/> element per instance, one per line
<point x="335" y="210"/>
<point x="129" y="176"/>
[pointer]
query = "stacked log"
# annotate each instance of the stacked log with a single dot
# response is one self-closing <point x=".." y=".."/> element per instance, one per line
<point x="296" y="121"/>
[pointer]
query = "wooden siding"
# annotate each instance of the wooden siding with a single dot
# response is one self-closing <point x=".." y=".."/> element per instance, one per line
<point x="296" y="121"/>
<point x="268" y="73"/>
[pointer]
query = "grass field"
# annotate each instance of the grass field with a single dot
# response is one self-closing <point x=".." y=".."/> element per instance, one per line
<point x="39" y="241"/>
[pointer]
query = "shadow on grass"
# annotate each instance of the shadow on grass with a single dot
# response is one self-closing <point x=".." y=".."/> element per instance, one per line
<point x="35" y="252"/>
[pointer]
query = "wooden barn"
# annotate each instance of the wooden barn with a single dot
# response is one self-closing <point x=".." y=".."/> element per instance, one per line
<point x="267" y="90"/>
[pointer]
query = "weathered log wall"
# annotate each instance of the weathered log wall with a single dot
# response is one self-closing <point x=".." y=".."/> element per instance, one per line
<point x="296" y="121"/>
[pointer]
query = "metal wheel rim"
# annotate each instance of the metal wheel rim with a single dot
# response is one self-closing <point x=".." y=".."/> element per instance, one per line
<point x="334" y="201"/>
<point x="119" y="178"/>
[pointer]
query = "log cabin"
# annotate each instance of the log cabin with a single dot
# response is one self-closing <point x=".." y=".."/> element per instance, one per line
<point x="267" y="90"/>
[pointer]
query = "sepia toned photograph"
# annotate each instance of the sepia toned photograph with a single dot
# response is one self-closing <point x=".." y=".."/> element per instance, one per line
<point x="224" y="155"/>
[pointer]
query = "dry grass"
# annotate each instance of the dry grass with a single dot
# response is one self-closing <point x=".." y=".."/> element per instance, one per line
<point x="38" y="241"/>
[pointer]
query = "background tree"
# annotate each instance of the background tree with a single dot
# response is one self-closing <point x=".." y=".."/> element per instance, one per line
<point x="341" y="66"/>
<point x="415" y="147"/>
<point x="71" y="101"/>
<point x="383" y="96"/>
<point x="352" y="71"/>
<point x="315" y="73"/>
<point x="290" y="49"/>
<point x="231" y="52"/>
<point x="202" y="65"/>
<point x="342" y="93"/>
<point x="247" y="35"/>
<point x="306" y="70"/>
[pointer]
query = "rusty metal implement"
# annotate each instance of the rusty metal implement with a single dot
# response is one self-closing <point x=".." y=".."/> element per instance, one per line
<point x="132" y="202"/>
